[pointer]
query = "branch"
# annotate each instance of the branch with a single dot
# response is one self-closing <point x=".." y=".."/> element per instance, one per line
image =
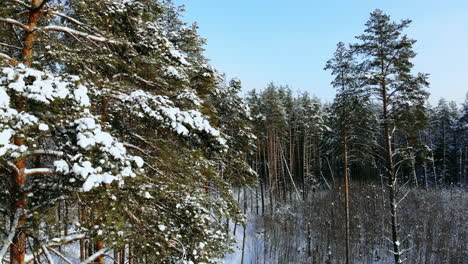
<point x="16" y="23"/>
<point x="10" y="46"/>
<point x="12" y="166"/>
<point x="11" y="235"/>
<point x="131" y="146"/>
<point x="3" y="55"/>
<point x="95" y="256"/>
<point x="141" y="138"/>
<point x="71" y="19"/>
<point x="38" y="171"/>
<point x="404" y="196"/>
<point x="47" y="254"/>
<point x="138" y="78"/>
<point x="60" y="255"/>
<point x="137" y="221"/>
<point x="34" y="257"/>
<point x="41" y="152"/>
<point x="57" y="242"/>
<point x="20" y="3"/>
<point x="78" y="33"/>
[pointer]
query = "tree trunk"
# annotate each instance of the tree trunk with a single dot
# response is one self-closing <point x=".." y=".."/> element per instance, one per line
<point x="29" y="36"/>
<point x="116" y="256"/>
<point x="392" y="183"/>
<point x="346" y="178"/>
<point x="99" y="246"/>
<point x="18" y="247"/>
<point x="413" y="168"/>
<point x="122" y="256"/>
<point x="244" y="229"/>
<point x="131" y="255"/>
<point x="425" y="175"/>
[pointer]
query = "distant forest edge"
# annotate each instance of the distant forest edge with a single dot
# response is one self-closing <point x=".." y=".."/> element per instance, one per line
<point x="120" y="143"/>
<point x="432" y="142"/>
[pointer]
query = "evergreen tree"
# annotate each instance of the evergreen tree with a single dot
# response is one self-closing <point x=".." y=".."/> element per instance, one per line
<point x="352" y="116"/>
<point x="387" y="64"/>
<point x="113" y="81"/>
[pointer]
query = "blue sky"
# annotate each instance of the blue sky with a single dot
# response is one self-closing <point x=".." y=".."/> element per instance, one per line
<point x="288" y="42"/>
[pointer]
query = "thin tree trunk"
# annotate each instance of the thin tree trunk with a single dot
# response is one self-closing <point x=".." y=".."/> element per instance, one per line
<point x="346" y="178"/>
<point x="413" y="167"/>
<point x="131" y="255"/>
<point x="122" y="255"/>
<point x="238" y="202"/>
<point x="434" y="169"/>
<point x="244" y="228"/>
<point x="425" y="175"/>
<point x="392" y="182"/>
<point x="116" y="256"/>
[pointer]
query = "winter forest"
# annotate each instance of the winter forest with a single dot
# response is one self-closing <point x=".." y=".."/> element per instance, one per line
<point x="120" y="143"/>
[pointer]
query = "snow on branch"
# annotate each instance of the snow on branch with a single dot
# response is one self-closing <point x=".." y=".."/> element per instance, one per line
<point x="72" y="20"/>
<point x="57" y="242"/>
<point x="163" y="110"/>
<point x="83" y="151"/>
<point x="3" y="55"/>
<point x="48" y="256"/>
<point x="16" y="23"/>
<point x="38" y="171"/>
<point x="54" y="243"/>
<point x="19" y="3"/>
<point x="41" y="152"/>
<point x="78" y="33"/>
<point x="95" y="256"/>
<point x="60" y="255"/>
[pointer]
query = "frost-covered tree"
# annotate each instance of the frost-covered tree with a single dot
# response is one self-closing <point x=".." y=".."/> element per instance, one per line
<point x="106" y="112"/>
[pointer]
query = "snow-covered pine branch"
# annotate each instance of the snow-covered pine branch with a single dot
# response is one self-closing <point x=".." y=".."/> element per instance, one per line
<point x="163" y="110"/>
<point x="97" y="156"/>
<point x="15" y="22"/>
<point x="78" y="33"/>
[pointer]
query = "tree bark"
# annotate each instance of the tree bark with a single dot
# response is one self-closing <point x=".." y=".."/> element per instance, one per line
<point x="30" y="36"/>
<point x="18" y="247"/>
<point x="99" y="246"/>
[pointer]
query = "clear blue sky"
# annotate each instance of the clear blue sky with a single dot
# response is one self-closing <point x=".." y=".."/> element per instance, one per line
<point x="288" y="42"/>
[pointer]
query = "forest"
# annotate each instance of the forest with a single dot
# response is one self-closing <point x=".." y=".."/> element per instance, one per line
<point x="120" y="143"/>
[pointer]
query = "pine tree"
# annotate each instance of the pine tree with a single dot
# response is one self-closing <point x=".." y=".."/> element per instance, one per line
<point x="351" y="114"/>
<point x="387" y="57"/>
<point x="129" y="80"/>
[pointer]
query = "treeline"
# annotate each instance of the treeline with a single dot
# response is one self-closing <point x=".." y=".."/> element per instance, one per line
<point x="299" y="147"/>
<point x="379" y="127"/>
